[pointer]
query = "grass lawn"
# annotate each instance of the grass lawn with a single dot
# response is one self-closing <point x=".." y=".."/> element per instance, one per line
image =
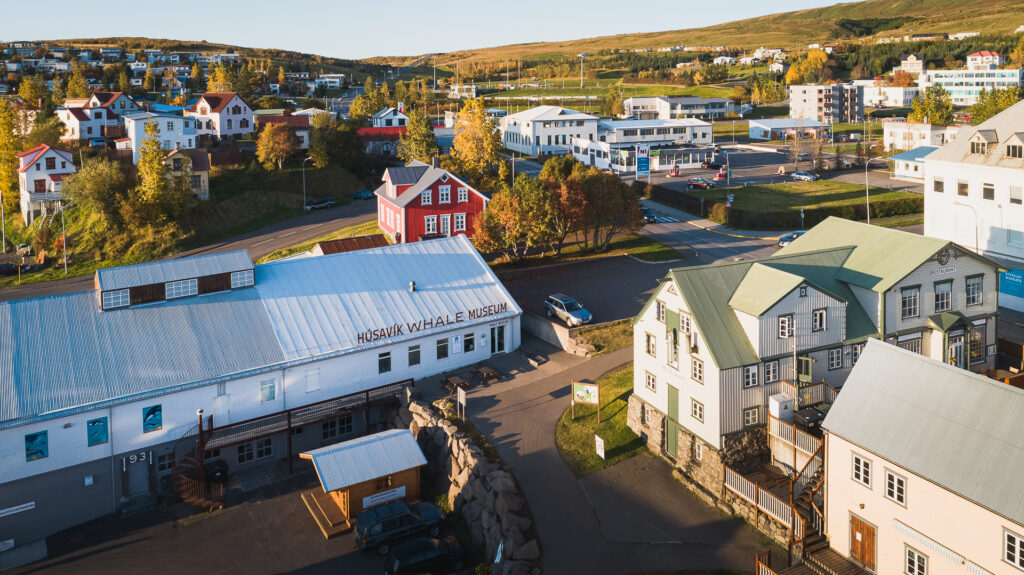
<point x="636" y="245"/>
<point x="900" y="221"/>
<point x="364" y="229"/>
<point x="575" y="437"/>
<point x="729" y="128"/>
<point x="609" y="337"/>
<point x="794" y="195"/>
<point x="767" y="111"/>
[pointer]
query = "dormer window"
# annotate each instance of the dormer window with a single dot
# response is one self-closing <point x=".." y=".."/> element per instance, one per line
<point x="978" y="148"/>
<point x="1015" y="151"/>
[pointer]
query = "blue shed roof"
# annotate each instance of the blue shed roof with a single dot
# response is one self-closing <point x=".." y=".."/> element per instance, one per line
<point x="163" y="271"/>
<point x="915" y="155"/>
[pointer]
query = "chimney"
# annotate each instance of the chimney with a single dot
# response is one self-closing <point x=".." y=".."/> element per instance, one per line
<point x="435" y="162"/>
<point x="412" y="287"/>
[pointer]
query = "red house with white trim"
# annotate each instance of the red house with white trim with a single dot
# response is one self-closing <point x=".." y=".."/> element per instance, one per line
<point x="41" y="172"/>
<point x="419" y="201"/>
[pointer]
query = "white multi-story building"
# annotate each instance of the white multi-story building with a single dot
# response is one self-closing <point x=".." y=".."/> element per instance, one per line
<point x="974" y="195"/>
<point x="298" y="350"/>
<point x="545" y="130"/>
<point x="965" y="85"/>
<point x="985" y="60"/>
<point x="911" y="64"/>
<point x="679" y="144"/>
<point x="899" y="134"/>
<point x="675" y="107"/>
<point x="222" y="115"/>
<point x="922" y="465"/>
<point x="87" y="123"/>
<point x="829" y="103"/>
<point x="176" y="132"/>
<point x="41" y="171"/>
<point x="890" y="96"/>
<point x="714" y="342"/>
<point x="388" y="118"/>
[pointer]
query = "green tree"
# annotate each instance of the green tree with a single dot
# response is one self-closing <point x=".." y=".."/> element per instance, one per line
<point x="991" y="103"/>
<point x="611" y="208"/>
<point x="195" y="78"/>
<point x="321" y="135"/>
<point x="276" y="142"/>
<point x="934" y="107"/>
<point x="59" y="93"/>
<point x="149" y="81"/>
<point x="124" y="82"/>
<point x="360" y="110"/>
<point x="34" y="91"/>
<point x="10" y="147"/>
<point x="46" y="130"/>
<point x="418" y="141"/>
<point x="98" y="187"/>
<point x="611" y="104"/>
<point x="476" y="149"/>
<point x="1017" y="56"/>
<point x="77" y="86"/>
<point x="282" y="80"/>
<point x="153" y="188"/>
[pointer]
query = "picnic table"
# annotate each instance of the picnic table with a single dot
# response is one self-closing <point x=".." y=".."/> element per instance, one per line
<point x="453" y="382"/>
<point x="487" y="374"/>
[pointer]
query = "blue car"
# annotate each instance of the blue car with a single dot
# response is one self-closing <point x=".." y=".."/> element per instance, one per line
<point x="790" y="238"/>
<point x="363" y="195"/>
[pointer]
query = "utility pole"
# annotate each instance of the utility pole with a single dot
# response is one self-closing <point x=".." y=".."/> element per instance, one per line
<point x="3" y="225"/>
<point x="63" y="238"/>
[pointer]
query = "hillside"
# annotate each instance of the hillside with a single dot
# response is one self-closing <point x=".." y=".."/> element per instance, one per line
<point x="790" y="30"/>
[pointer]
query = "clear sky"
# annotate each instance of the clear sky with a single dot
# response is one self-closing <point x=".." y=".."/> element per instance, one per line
<point x="350" y="29"/>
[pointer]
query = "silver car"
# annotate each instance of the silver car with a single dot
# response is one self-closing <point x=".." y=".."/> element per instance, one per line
<point x="567" y="309"/>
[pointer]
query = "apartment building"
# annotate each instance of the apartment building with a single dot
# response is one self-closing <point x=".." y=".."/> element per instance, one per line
<point x="676" y="107"/>
<point x="545" y="130"/>
<point x="828" y="103"/>
<point x="964" y="86"/>
<point x="974" y="195"/>
<point x="900" y="134"/>
<point x="683" y="143"/>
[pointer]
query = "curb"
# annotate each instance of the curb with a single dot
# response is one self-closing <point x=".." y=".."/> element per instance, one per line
<point x="712" y="230"/>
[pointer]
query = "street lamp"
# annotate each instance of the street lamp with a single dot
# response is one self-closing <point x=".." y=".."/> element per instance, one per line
<point x="582" y="56"/>
<point x="977" y="239"/>
<point x="304" y="181"/>
<point x="867" y="194"/>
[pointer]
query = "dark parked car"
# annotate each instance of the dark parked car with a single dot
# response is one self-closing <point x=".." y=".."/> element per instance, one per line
<point x="363" y="195"/>
<point x="8" y="269"/>
<point x="711" y="165"/>
<point x="386" y="524"/>
<point x="789" y="238"/>
<point x="649" y="216"/>
<point x="324" y="202"/>
<point x="699" y="183"/>
<point x="423" y="555"/>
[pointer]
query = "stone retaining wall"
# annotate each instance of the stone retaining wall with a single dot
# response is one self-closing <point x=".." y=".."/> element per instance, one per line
<point x="480" y="491"/>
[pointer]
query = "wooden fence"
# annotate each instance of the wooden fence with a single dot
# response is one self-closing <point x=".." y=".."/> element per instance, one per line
<point x="758" y="496"/>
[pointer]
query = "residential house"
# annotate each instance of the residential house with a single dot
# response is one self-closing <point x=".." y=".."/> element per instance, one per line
<point x="964" y="86"/>
<point x="85" y="124"/>
<point x="198" y="162"/>
<point x="985" y="60"/>
<point x="715" y="342"/>
<point x="110" y="53"/>
<point x="222" y="115"/>
<point x="974" y="195"/>
<point x="40" y="173"/>
<point x="419" y="201"/>
<point x="828" y="103"/>
<point x="298" y="124"/>
<point x="545" y="130"/>
<point x="462" y="91"/>
<point x="117" y="102"/>
<point x="381" y="141"/>
<point x="724" y="60"/>
<point x="911" y="63"/>
<point x="899" y="134"/>
<point x="389" y="118"/>
<point x="909" y="165"/>
<point x="778" y="67"/>
<point x="675" y="107"/>
<point x="683" y="143"/>
<point x="175" y="132"/>
<point x="922" y="468"/>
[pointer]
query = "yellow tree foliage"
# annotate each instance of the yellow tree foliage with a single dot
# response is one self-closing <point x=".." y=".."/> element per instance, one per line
<point x="476" y="149"/>
<point x="275" y="144"/>
<point x="10" y="147"/>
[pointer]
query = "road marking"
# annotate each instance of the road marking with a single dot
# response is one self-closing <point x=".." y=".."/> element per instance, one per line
<point x="263" y="242"/>
<point x="288" y="234"/>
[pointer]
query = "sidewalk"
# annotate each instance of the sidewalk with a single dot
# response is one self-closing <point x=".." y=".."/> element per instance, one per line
<point x="708" y="225"/>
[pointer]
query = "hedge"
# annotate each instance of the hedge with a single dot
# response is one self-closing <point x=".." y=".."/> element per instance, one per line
<point x="777" y="220"/>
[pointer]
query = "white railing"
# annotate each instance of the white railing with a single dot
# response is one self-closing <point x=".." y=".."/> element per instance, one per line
<point x="817" y="521"/>
<point x="806" y="442"/>
<point x="763" y="569"/>
<point x="774" y="506"/>
<point x="812" y="467"/>
<point x="740" y="485"/>
<point x="780" y="429"/>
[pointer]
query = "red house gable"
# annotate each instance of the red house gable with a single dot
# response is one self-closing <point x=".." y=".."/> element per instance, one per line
<point x="437" y="202"/>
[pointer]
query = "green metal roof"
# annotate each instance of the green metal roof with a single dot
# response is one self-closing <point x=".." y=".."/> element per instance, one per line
<point x="881" y="258"/>
<point x="947" y="320"/>
<point x="713" y="291"/>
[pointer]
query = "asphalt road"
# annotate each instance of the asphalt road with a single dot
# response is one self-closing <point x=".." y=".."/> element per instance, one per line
<point x="259" y="243"/>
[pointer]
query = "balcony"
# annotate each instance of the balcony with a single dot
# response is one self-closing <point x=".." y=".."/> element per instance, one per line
<point x="49" y="196"/>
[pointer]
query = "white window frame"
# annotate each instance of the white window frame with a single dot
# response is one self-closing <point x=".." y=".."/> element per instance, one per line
<point x="114" y="299"/>
<point x="860" y="470"/>
<point x="459" y="223"/>
<point x="696" y="410"/>
<point x="659" y="310"/>
<point x="430" y="224"/>
<point x="444" y="194"/>
<point x="785" y="326"/>
<point x="835" y="358"/>
<point x="819" y="319"/>
<point x="419" y="355"/>
<point x="463" y="195"/>
<point x="651" y="382"/>
<point x="697" y="369"/>
<point x="265" y="395"/>
<point x="182" y="288"/>
<point x="771" y="371"/>
<point x="684" y="322"/>
<point x="426" y="198"/>
<point x="698" y="450"/>
<point x="914" y="562"/>
<point x="749" y="376"/>
<point x="385" y="355"/>
<point x="243" y="278"/>
<point x="751" y="416"/>
<point x="894" y="484"/>
<point x="855" y="352"/>
<point x="650" y="345"/>
<point x="1017" y="550"/>
<point x="980" y="299"/>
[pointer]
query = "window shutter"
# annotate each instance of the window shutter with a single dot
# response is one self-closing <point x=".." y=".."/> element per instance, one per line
<point x="671" y="319"/>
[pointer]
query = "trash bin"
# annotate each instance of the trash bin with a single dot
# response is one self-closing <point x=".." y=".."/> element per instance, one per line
<point x="216" y="471"/>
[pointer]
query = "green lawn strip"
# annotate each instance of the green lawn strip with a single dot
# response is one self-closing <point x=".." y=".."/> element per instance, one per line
<point x="636" y="245"/>
<point x="364" y="229"/>
<point x="900" y="221"/>
<point x="575" y="437"/>
<point x="791" y="196"/>
<point x="608" y="337"/>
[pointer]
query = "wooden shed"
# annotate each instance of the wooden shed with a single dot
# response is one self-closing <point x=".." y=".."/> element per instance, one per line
<point x="362" y="473"/>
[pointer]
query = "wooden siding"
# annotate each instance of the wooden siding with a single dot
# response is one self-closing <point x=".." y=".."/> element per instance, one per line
<point x="410" y="478"/>
<point x="966" y="265"/>
<point x="801" y="308"/>
<point x="147" y="293"/>
<point x="215" y="283"/>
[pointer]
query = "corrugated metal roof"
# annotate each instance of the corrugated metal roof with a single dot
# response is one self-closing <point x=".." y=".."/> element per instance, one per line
<point x="915" y="155"/>
<point x="62" y="354"/>
<point x="955" y="428"/>
<point x="373" y="456"/>
<point x="318" y="305"/>
<point x="406" y="174"/>
<point x="709" y="291"/>
<point x="163" y="271"/>
<point x="881" y="256"/>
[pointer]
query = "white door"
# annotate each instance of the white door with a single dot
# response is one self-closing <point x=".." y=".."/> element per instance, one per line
<point x="446" y="225"/>
<point x="498" y="338"/>
<point x="956" y="351"/>
<point x="222" y="409"/>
